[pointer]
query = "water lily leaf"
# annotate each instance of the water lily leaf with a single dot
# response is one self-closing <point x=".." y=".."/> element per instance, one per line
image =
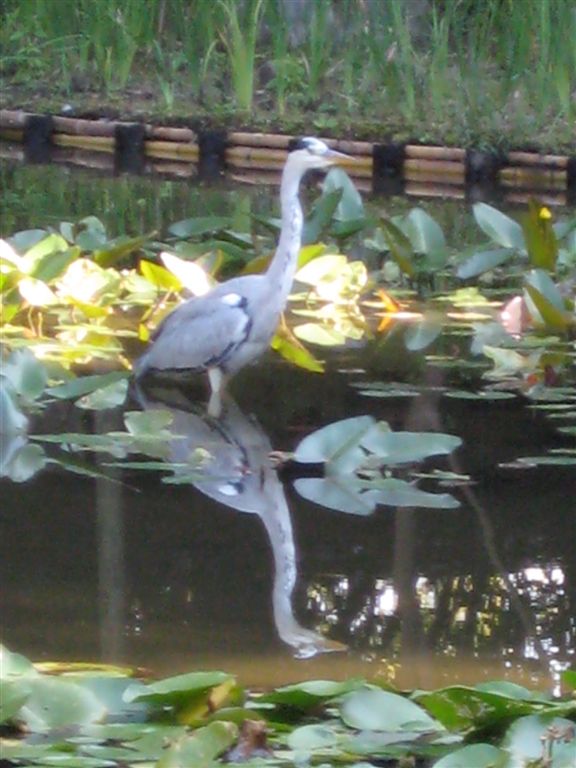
<point x="310" y="694"/>
<point x="36" y="293"/>
<point x="25" y="240"/>
<point x="86" y="282"/>
<point x="425" y="235"/>
<point x="420" y="335"/>
<point x="337" y="444"/>
<point x="310" y="737"/>
<point x="461" y="707"/>
<point x="26" y="374"/>
<point x="196" y="227"/>
<point x="14" y="665"/>
<point x="200" y="748"/>
<point x="148" y="423"/>
<point x="25" y="463"/>
<point x="287" y="345"/>
<point x="350" y="207"/>
<point x="392" y="492"/>
<point x="179" y="691"/>
<point x="475" y="756"/>
<point x="189" y="273"/>
<point x="13" y="695"/>
<point x="343" y="493"/>
<point x="321" y="216"/>
<point x="159" y="276"/>
<point x="403" y="447"/>
<point x="83" y="385"/>
<point x="544" y="300"/>
<point x="323" y="336"/>
<point x="400" y="247"/>
<point x="49" y="245"/>
<point x="52" y="265"/>
<point x="487" y="395"/>
<point x="375" y="710"/>
<point x="118" y="249"/>
<point x="55" y="703"/>
<point x="500" y="228"/>
<point x="526" y="738"/>
<point x="483" y="261"/>
<point x="110" y="396"/>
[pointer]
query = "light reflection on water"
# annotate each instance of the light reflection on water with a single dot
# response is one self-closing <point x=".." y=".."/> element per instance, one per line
<point x="171" y="578"/>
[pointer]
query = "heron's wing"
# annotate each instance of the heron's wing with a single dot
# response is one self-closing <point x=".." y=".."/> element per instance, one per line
<point x="201" y="333"/>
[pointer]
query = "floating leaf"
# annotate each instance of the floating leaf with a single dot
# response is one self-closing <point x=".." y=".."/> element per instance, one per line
<point x="310" y="694"/>
<point x="310" y="737"/>
<point x="56" y="703"/>
<point x="337" y="444"/>
<point x="110" y="396"/>
<point x="376" y="710"/>
<point x="83" y="385"/>
<point x="475" y="756"/>
<point x="200" y="748"/>
<point x="526" y="740"/>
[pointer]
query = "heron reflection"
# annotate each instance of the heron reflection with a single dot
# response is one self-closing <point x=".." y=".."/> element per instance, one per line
<point x="239" y="474"/>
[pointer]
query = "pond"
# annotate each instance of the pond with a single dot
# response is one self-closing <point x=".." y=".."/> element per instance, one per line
<point x="264" y="571"/>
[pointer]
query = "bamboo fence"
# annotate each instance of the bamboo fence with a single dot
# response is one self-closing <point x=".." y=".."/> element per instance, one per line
<point x="254" y="157"/>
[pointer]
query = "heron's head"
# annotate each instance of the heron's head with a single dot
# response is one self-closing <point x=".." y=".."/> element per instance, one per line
<point x="311" y="153"/>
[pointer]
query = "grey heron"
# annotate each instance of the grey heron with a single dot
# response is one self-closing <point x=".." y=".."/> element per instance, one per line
<point x="230" y="326"/>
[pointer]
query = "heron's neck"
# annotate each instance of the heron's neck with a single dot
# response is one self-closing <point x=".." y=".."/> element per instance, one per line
<point x="283" y="265"/>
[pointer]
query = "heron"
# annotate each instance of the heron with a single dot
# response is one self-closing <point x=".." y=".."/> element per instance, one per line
<point x="233" y="324"/>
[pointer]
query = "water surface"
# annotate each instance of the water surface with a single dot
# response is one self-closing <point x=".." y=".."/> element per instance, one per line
<point x="239" y="571"/>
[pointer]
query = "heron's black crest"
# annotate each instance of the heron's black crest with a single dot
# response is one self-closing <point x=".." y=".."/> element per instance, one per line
<point x="313" y="145"/>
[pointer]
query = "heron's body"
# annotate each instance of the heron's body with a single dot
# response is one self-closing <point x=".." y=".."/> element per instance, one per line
<point x="233" y="324"/>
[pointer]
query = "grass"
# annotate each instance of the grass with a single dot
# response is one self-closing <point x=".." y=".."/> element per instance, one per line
<point x="495" y="74"/>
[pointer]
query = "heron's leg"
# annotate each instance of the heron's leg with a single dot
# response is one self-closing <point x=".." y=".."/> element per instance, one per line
<point x="217" y="382"/>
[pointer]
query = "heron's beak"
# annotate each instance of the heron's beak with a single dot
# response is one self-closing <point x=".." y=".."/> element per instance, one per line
<point x="338" y="158"/>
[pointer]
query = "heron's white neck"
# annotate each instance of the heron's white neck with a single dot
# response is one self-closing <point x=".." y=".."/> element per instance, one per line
<point x="283" y="265"/>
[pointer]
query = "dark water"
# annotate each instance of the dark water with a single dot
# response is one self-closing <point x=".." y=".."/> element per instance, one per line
<point x="277" y="588"/>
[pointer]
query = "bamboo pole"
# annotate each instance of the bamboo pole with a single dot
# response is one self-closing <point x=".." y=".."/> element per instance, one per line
<point x="270" y="140"/>
<point x="523" y="198"/>
<point x="11" y="151"/>
<point x="527" y="177"/>
<point x="533" y="159"/>
<point x="171" y="150"/>
<point x="434" y="190"/>
<point x="439" y="168"/>
<point x="418" y="152"/>
<point x="351" y="147"/>
<point x="78" y="127"/>
<point x="173" y="169"/>
<point x="166" y="133"/>
<point x="12" y="134"/>
<point x="83" y="158"/>
<point x="10" y="118"/>
<point x="94" y="143"/>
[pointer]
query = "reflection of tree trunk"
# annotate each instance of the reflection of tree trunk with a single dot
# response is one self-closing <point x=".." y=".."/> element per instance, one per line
<point x="111" y="566"/>
<point x="404" y="581"/>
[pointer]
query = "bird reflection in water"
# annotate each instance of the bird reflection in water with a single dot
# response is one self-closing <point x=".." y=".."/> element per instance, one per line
<point x="239" y="474"/>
